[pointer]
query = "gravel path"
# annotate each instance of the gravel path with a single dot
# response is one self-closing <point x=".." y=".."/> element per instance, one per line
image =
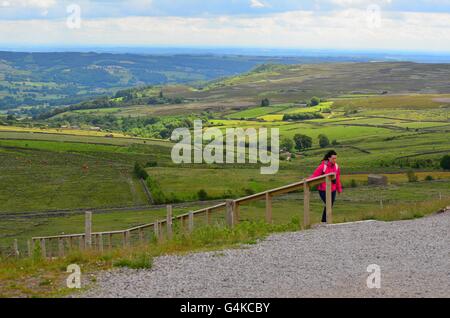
<point x="329" y="261"/>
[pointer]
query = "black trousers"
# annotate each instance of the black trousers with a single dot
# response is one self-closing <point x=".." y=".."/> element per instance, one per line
<point x="323" y="196"/>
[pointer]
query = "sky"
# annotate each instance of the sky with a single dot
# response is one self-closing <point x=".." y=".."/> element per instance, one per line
<point x="399" y="25"/>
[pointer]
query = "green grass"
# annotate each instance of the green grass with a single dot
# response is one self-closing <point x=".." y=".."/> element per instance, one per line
<point x="321" y="107"/>
<point x="141" y="260"/>
<point x="41" y="175"/>
<point x="256" y="112"/>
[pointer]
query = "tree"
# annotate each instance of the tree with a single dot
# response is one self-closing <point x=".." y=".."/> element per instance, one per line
<point x="302" y="142"/>
<point x="202" y="195"/>
<point x="265" y="102"/>
<point x="314" y="101"/>
<point x="445" y="162"/>
<point x="323" y="141"/>
<point x="161" y="95"/>
<point x="287" y="144"/>
<point x="140" y="172"/>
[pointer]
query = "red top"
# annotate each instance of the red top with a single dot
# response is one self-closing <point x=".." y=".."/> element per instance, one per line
<point x="330" y="168"/>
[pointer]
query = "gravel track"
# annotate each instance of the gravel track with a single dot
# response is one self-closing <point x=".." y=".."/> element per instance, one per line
<point x="329" y="261"/>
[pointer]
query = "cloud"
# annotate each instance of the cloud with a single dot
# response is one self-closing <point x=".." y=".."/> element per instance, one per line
<point x="28" y="3"/>
<point x="257" y="4"/>
<point x="343" y="29"/>
<point x="357" y="3"/>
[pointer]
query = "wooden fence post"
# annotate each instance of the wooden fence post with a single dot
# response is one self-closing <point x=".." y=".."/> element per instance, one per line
<point x="169" y="222"/>
<point x="268" y="208"/>
<point x="141" y="235"/>
<point x="16" y="248"/>
<point x="237" y="213"/>
<point x="100" y="242"/>
<point x="208" y="216"/>
<point x="156" y="230"/>
<point x="329" y="203"/>
<point x="191" y="222"/>
<point x="126" y="238"/>
<point x="60" y="247"/>
<point x="30" y="244"/>
<point x="230" y="213"/>
<point x="81" y="242"/>
<point x="183" y="223"/>
<point x="306" y="209"/>
<point x="110" y="241"/>
<point x="88" y="230"/>
<point x="43" y="250"/>
<point x="70" y="243"/>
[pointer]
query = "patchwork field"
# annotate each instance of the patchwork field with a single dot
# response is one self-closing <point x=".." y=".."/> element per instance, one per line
<point x="383" y="122"/>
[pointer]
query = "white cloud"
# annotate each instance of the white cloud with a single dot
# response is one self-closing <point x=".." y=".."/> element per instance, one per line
<point x="257" y="4"/>
<point x="344" y="29"/>
<point x="29" y="3"/>
<point x="354" y="3"/>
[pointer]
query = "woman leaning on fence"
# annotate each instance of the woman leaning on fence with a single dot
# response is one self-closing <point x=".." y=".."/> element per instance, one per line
<point x="328" y="165"/>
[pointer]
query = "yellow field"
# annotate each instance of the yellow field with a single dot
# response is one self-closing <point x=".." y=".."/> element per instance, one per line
<point x="76" y="132"/>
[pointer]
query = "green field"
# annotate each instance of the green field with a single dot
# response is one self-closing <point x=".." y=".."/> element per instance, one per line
<point x="47" y="168"/>
<point x="71" y="172"/>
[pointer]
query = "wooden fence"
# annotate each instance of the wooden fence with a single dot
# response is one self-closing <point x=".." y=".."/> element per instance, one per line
<point x="106" y="240"/>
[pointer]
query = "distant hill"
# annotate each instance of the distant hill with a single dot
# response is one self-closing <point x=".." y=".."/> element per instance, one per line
<point x="63" y="78"/>
<point x="287" y="83"/>
<point x="278" y="83"/>
<point x="300" y="82"/>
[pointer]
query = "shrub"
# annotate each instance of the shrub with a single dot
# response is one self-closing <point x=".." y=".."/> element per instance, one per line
<point x="314" y="101"/>
<point x="287" y="144"/>
<point x="265" y="102"/>
<point x="323" y="141"/>
<point x="140" y="172"/>
<point x="202" y="195"/>
<point x="429" y="178"/>
<point x="353" y="183"/>
<point x="302" y="116"/>
<point x="158" y="195"/>
<point x="445" y="162"/>
<point x="302" y="142"/>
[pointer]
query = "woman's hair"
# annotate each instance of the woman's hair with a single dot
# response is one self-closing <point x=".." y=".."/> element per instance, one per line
<point x="329" y="154"/>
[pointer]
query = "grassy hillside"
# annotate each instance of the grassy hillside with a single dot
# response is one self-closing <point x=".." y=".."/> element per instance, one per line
<point x="38" y="79"/>
<point x="51" y="172"/>
<point x="386" y="118"/>
<point x="346" y="83"/>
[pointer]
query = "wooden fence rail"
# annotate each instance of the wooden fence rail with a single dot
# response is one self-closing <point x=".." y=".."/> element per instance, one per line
<point x="89" y="239"/>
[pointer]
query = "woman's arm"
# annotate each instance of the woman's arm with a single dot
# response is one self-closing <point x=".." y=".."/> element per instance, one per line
<point x="318" y="171"/>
